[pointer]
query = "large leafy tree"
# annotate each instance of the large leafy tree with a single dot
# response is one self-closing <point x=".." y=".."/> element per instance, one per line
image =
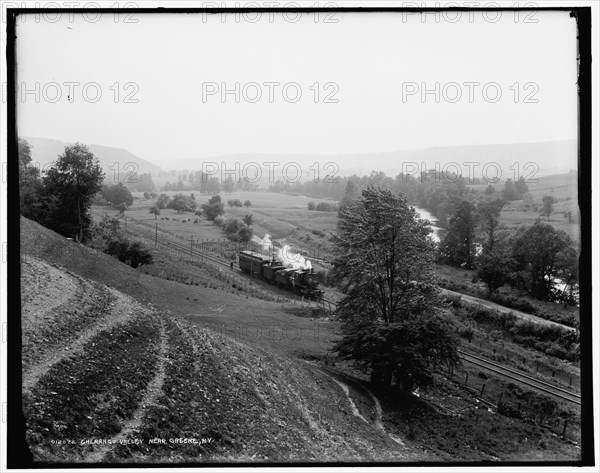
<point x="182" y="203"/>
<point x="163" y="201"/>
<point x="214" y="208"/>
<point x="547" y="206"/>
<point x="495" y="265"/>
<point x="29" y="182"/>
<point x="458" y="246"/>
<point x="394" y="325"/>
<point x="351" y="193"/>
<point x="154" y="210"/>
<point x="117" y="194"/>
<point x="544" y="254"/>
<point x="71" y="185"/>
<point x="489" y="217"/>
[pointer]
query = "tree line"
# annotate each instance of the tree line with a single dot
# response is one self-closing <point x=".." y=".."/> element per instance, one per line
<point x="61" y="200"/>
<point x="206" y="184"/>
<point x="396" y="325"/>
<point x="534" y="258"/>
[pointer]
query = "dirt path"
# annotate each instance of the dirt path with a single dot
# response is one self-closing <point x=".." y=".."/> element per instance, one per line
<point x="153" y="391"/>
<point x="123" y="309"/>
<point x="46" y="289"/>
<point x="329" y="372"/>
<point x="504" y="310"/>
<point x="346" y="389"/>
<point x="379" y="416"/>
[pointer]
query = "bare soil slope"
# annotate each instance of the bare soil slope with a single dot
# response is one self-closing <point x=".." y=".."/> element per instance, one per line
<point x="111" y="378"/>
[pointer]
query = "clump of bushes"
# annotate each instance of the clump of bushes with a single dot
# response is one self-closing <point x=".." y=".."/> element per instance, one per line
<point x="324" y="206"/>
<point x="132" y="253"/>
<point x="527" y="405"/>
<point x="236" y="230"/>
<point x="517" y="303"/>
<point x="108" y="237"/>
<point x="551" y="340"/>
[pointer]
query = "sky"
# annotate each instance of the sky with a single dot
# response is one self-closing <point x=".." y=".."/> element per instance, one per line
<point x="348" y="83"/>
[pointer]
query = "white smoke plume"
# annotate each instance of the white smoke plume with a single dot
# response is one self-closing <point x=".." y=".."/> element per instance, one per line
<point x="265" y="243"/>
<point x="292" y="260"/>
<point x="286" y="255"/>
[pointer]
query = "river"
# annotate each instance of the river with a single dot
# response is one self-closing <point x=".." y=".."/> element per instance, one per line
<point x="429" y="216"/>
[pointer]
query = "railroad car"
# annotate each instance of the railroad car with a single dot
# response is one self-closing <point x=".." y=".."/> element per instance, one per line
<point x="252" y="263"/>
<point x="301" y="281"/>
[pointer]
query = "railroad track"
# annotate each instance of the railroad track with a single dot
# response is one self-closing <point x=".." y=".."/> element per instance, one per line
<point x="521" y="378"/>
<point x="193" y="250"/>
<point x="178" y="245"/>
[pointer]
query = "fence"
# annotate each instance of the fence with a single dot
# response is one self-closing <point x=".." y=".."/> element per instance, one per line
<point x="205" y="253"/>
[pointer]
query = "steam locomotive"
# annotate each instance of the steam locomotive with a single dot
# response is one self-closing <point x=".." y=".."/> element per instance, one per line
<point x="301" y="281"/>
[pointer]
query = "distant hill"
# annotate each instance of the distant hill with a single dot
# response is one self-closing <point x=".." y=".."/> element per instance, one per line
<point x="46" y="150"/>
<point x="552" y="157"/>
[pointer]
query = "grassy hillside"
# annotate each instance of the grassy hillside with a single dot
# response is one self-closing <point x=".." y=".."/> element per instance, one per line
<point x="121" y="366"/>
<point x="105" y="374"/>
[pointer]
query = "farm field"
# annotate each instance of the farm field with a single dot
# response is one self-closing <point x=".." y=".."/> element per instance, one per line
<point x="515" y="215"/>
<point x="563" y="188"/>
<point x="284" y="217"/>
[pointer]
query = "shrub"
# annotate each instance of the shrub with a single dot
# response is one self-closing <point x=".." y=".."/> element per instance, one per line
<point x="551" y="340"/>
<point x="326" y="207"/>
<point x="509" y="409"/>
<point x="234" y="203"/>
<point x="117" y="194"/>
<point x="163" y="201"/>
<point x="214" y="208"/>
<point x="517" y="303"/>
<point x="132" y="253"/>
<point x="466" y="333"/>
